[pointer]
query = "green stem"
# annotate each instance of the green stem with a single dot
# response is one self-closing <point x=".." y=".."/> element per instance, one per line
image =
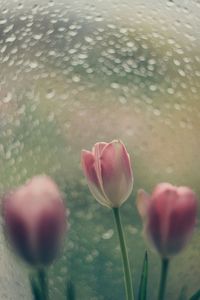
<point x="163" y="278"/>
<point x="43" y="281"/>
<point x="127" y="272"/>
<point x="35" y="288"/>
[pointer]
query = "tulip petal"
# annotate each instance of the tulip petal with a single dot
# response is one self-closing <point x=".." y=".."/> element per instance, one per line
<point x="89" y="169"/>
<point x="88" y="162"/>
<point x="162" y="202"/>
<point x="97" y="151"/>
<point x="182" y="219"/>
<point x="48" y="232"/>
<point x="142" y="203"/>
<point x="171" y="218"/>
<point x="98" y="148"/>
<point x="116" y="173"/>
<point x="35" y="219"/>
<point x="16" y="227"/>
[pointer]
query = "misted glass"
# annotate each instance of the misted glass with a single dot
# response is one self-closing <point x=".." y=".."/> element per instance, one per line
<point x="77" y="72"/>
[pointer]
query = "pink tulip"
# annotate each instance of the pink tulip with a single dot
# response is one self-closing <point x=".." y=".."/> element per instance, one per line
<point x="107" y="169"/>
<point x="169" y="216"/>
<point x="35" y="220"/>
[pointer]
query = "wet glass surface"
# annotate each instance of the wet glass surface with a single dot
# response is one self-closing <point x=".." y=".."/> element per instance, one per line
<point x="77" y="72"/>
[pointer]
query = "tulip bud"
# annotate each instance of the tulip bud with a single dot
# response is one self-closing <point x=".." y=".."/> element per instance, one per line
<point x="169" y="216"/>
<point x="35" y="220"/>
<point x="107" y="169"/>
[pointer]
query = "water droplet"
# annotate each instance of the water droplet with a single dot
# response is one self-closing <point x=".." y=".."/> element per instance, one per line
<point x="181" y="72"/>
<point x="11" y="38"/>
<point x="156" y="112"/>
<point x="108" y="234"/>
<point x="50" y="94"/>
<point x="33" y="64"/>
<point x="38" y="36"/>
<point x="114" y="85"/>
<point x="76" y="78"/>
<point x="170" y="91"/>
<point x="99" y="19"/>
<point x="3" y="21"/>
<point x="170" y="3"/>
<point x="153" y="87"/>
<point x="8" y="28"/>
<point x="7" y="98"/>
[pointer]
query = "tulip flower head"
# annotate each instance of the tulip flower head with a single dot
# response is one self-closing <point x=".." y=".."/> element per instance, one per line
<point x="35" y="220"/>
<point x="169" y="216"/>
<point x="107" y="169"/>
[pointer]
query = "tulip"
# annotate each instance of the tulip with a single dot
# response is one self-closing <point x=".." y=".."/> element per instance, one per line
<point x="35" y="220"/>
<point x="108" y="172"/>
<point x="107" y="169"/>
<point x="169" y="216"/>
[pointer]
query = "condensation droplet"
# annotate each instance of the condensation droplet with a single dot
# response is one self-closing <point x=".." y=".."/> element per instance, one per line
<point x="7" y="98"/>
<point x="108" y="234"/>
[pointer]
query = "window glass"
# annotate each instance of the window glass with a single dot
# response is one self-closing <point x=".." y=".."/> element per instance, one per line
<point x="76" y="72"/>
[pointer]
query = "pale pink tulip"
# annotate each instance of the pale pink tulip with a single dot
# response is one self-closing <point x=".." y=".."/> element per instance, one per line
<point x="107" y="169"/>
<point x="169" y="216"/>
<point x="35" y="220"/>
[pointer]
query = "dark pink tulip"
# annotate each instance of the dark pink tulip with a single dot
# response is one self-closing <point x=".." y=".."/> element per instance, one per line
<point x="35" y="220"/>
<point x="107" y="169"/>
<point x="169" y="216"/>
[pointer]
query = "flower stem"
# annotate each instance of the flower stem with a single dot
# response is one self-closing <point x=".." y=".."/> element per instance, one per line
<point x="39" y="284"/>
<point x="163" y="278"/>
<point x="43" y="281"/>
<point x="127" y="272"/>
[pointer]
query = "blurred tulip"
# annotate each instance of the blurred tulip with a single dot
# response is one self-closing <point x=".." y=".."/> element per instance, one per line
<point x="107" y="169"/>
<point x="169" y="216"/>
<point x="35" y="220"/>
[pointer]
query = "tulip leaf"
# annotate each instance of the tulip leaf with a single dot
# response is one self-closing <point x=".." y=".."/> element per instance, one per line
<point x="71" y="295"/>
<point x="143" y="280"/>
<point x="196" y="296"/>
<point x="183" y="293"/>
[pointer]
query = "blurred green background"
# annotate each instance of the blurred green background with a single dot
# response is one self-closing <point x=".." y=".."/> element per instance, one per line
<point x="74" y="73"/>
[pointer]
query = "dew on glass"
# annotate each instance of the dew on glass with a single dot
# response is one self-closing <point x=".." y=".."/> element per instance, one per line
<point x="77" y="72"/>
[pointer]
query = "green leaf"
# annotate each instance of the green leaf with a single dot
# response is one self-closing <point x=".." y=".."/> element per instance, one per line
<point x="71" y="295"/>
<point x="183" y="293"/>
<point x="143" y="281"/>
<point x="196" y="296"/>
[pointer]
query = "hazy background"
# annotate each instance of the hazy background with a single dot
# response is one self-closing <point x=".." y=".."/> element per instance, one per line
<point x="76" y="72"/>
